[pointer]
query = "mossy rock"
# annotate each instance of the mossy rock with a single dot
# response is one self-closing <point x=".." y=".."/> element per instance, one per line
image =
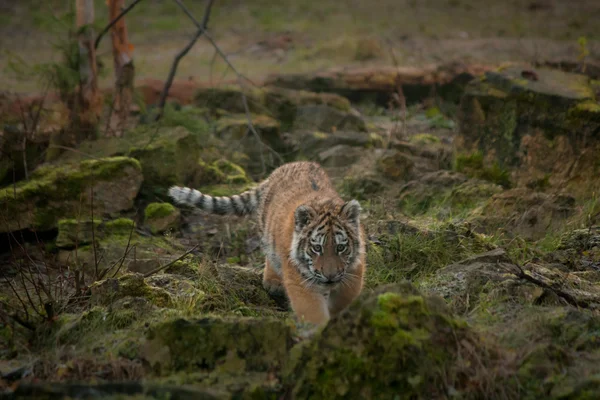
<point x="362" y="187"/>
<point x="396" y="165"/>
<point x="324" y="118"/>
<point x="109" y="290"/>
<point x="14" y="160"/>
<point x="223" y="344"/>
<point x="221" y="171"/>
<point x="581" y="239"/>
<point x="431" y="189"/>
<point x="284" y="103"/>
<point x="424" y="139"/>
<point x="473" y="165"/>
<point x="339" y="156"/>
<point x="281" y="104"/>
<point x="230" y="99"/>
<point x="73" y="233"/>
<point x="524" y="212"/>
<point x="161" y="217"/>
<point x="473" y="192"/>
<point x="170" y="159"/>
<point x="57" y="192"/>
<point x="309" y="144"/>
<point x="391" y="343"/>
<point x="167" y="154"/>
<point x="462" y="283"/>
<point x="234" y="130"/>
<point x="115" y="244"/>
<point x="521" y="123"/>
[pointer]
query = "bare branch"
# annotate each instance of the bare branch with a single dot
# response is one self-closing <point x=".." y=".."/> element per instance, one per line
<point x="114" y="21"/>
<point x="182" y="53"/>
<point x="211" y="40"/>
<point x="154" y="271"/>
<point x="240" y="77"/>
<point x="93" y="230"/>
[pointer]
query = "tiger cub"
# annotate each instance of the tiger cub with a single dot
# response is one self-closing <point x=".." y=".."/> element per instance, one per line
<point x="313" y="240"/>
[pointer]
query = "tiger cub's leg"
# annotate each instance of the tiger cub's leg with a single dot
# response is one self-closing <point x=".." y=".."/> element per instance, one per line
<point x="271" y="280"/>
<point x="308" y="306"/>
<point x="345" y="294"/>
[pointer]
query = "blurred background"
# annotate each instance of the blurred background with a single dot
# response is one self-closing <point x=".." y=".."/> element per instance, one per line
<point x="262" y="36"/>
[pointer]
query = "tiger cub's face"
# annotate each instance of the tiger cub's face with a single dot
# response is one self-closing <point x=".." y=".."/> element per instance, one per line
<point x="326" y="243"/>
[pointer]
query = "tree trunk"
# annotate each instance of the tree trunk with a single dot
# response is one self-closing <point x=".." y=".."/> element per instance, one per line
<point x="90" y="103"/>
<point x="124" y="71"/>
<point x="84" y="103"/>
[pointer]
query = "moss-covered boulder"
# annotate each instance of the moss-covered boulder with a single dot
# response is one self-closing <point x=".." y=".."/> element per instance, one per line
<point x="110" y="290"/>
<point x="285" y="103"/>
<point x="119" y="246"/>
<point x="167" y="154"/>
<point x="524" y="212"/>
<point x="168" y="159"/>
<point x="14" y="160"/>
<point x="160" y="217"/>
<point x="233" y="345"/>
<point x="461" y="283"/>
<point x="221" y="171"/>
<point x="56" y="192"/>
<point x="391" y="343"/>
<point x="234" y="130"/>
<point x="380" y="83"/>
<point x="325" y="118"/>
<point x="230" y="98"/>
<point x="362" y="186"/>
<point x="340" y="156"/>
<point x="529" y="121"/>
<point x="309" y="144"/>
<point x="72" y="233"/>
<point x="396" y="165"/>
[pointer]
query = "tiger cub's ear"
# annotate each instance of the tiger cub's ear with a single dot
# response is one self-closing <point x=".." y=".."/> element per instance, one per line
<point x="302" y="216"/>
<point x="350" y="211"/>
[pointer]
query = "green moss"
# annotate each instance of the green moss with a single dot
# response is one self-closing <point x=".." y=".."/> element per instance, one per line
<point x="109" y="290"/>
<point x="191" y="118"/>
<point x="424" y="138"/>
<point x="253" y="344"/>
<point x="473" y="165"/>
<point x="119" y="227"/>
<point x="390" y="341"/>
<point x="225" y="189"/>
<point x="229" y="98"/>
<point x="395" y="165"/>
<point x="158" y="210"/>
<point x="54" y="192"/>
<point x="361" y="187"/>
<point x="232" y="172"/>
<point x="72" y="232"/>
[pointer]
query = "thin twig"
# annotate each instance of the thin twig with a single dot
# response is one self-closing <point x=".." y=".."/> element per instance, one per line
<point x="73" y="150"/>
<point x="93" y="229"/>
<point x="154" y="271"/>
<point x="211" y="40"/>
<point x="23" y="323"/>
<point x="114" y="21"/>
<point x="125" y="253"/>
<point x="178" y="57"/>
<point x="240" y="77"/>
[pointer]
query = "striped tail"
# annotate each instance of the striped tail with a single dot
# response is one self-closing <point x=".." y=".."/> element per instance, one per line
<point x="240" y="205"/>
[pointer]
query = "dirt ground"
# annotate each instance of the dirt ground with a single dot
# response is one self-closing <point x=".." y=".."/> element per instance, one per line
<point x="266" y="36"/>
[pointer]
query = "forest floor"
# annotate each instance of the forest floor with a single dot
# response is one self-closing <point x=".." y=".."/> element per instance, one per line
<point x="479" y="195"/>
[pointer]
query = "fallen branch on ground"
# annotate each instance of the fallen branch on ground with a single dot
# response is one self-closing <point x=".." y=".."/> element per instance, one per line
<point x="162" y="267"/>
